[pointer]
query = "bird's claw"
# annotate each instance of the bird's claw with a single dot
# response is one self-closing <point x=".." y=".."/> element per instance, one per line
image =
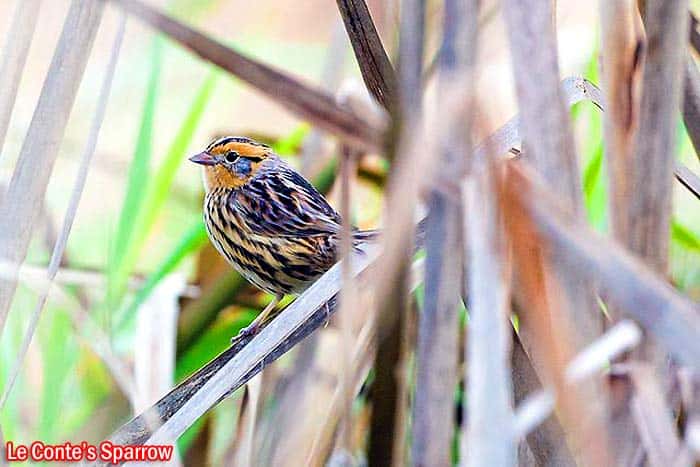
<point x="247" y="332"/>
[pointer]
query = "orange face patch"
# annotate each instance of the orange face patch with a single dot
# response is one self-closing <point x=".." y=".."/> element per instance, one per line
<point x="231" y="155"/>
<point x="218" y="176"/>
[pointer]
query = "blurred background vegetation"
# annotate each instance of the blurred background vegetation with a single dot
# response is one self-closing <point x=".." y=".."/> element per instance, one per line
<point x="138" y="243"/>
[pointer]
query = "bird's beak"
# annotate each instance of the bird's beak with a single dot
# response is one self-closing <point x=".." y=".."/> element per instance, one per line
<point x="203" y="158"/>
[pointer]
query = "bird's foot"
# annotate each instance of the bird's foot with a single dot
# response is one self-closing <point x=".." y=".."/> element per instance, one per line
<point x="246" y="333"/>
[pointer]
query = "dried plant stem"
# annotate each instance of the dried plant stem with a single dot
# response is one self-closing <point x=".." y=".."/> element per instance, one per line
<point x="650" y="210"/>
<point x="438" y="329"/>
<point x="691" y="102"/>
<point x="549" y="144"/>
<point x="623" y="54"/>
<point x="316" y="106"/>
<point x="374" y="63"/>
<point x="14" y="57"/>
<point x="547" y="442"/>
<point x="20" y="208"/>
<point x="387" y="440"/>
<point x="348" y="299"/>
<point x="78" y="187"/>
<point x="646" y="296"/>
<point x="620" y="338"/>
<point x="491" y="436"/>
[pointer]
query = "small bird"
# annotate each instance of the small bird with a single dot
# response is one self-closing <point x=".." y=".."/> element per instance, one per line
<point x="267" y="220"/>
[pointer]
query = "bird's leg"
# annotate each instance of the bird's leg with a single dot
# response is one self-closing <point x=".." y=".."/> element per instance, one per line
<point x="254" y="327"/>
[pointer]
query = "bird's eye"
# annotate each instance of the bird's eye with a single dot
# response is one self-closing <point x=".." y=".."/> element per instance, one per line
<point x="231" y="156"/>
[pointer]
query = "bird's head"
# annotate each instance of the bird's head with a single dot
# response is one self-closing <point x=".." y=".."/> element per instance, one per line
<point x="231" y="161"/>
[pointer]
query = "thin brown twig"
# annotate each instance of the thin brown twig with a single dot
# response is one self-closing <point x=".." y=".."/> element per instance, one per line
<point x="313" y="104"/>
<point x="376" y="69"/>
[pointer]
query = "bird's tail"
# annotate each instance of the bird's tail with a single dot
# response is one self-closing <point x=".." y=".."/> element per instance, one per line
<point x="371" y="235"/>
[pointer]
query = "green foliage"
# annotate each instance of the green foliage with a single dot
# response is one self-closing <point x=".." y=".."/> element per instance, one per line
<point x="684" y="237"/>
<point x="58" y="356"/>
<point x="289" y="145"/>
<point x="212" y="341"/>
<point x="136" y="181"/>
<point x="153" y="193"/>
<point x="194" y="238"/>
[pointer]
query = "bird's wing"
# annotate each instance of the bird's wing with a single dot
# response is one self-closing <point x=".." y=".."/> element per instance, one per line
<point x="284" y="204"/>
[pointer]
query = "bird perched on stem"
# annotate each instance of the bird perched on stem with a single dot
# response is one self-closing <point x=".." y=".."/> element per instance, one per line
<point x="267" y="220"/>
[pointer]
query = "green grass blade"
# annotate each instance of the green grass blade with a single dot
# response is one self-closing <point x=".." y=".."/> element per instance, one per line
<point x="137" y="178"/>
<point x="684" y="237"/>
<point x="145" y="214"/>
<point x="193" y="239"/>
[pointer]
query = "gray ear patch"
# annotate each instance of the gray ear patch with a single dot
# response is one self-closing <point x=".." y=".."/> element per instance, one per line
<point x="242" y="166"/>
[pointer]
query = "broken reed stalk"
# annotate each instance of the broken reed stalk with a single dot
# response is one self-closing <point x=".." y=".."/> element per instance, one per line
<point x="21" y="205"/>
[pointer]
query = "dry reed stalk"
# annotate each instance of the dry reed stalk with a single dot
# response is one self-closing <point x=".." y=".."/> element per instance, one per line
<point x="14" y="56"/>
<point x="622" y="48"/>
<point x="650" y="210"/>
<point x="646" y="163"/>
<point x="438" y="329"/>
<point x="691" y="102"/>
<point x="549" y="144"/>
<point x="548" y="345"/>
<point x="409" y="155"/>
<point x="348" y="298"/>
<point x="79" y="185"/>
<point x="490" y="436"/>
<point x="192" y="398"/>
<point x="655" y="422"/>
<point x="362" y="357"/>
<point x="21" y="205"/>
<point x="617" y="340"/>
<point x="547" y="442"/>
<point x="154" y="343"/>
<point x="372" y="59"/>
<point x="312" y="104"/>
<point x="687" y="178"/>
<point x="671" y="318"/>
